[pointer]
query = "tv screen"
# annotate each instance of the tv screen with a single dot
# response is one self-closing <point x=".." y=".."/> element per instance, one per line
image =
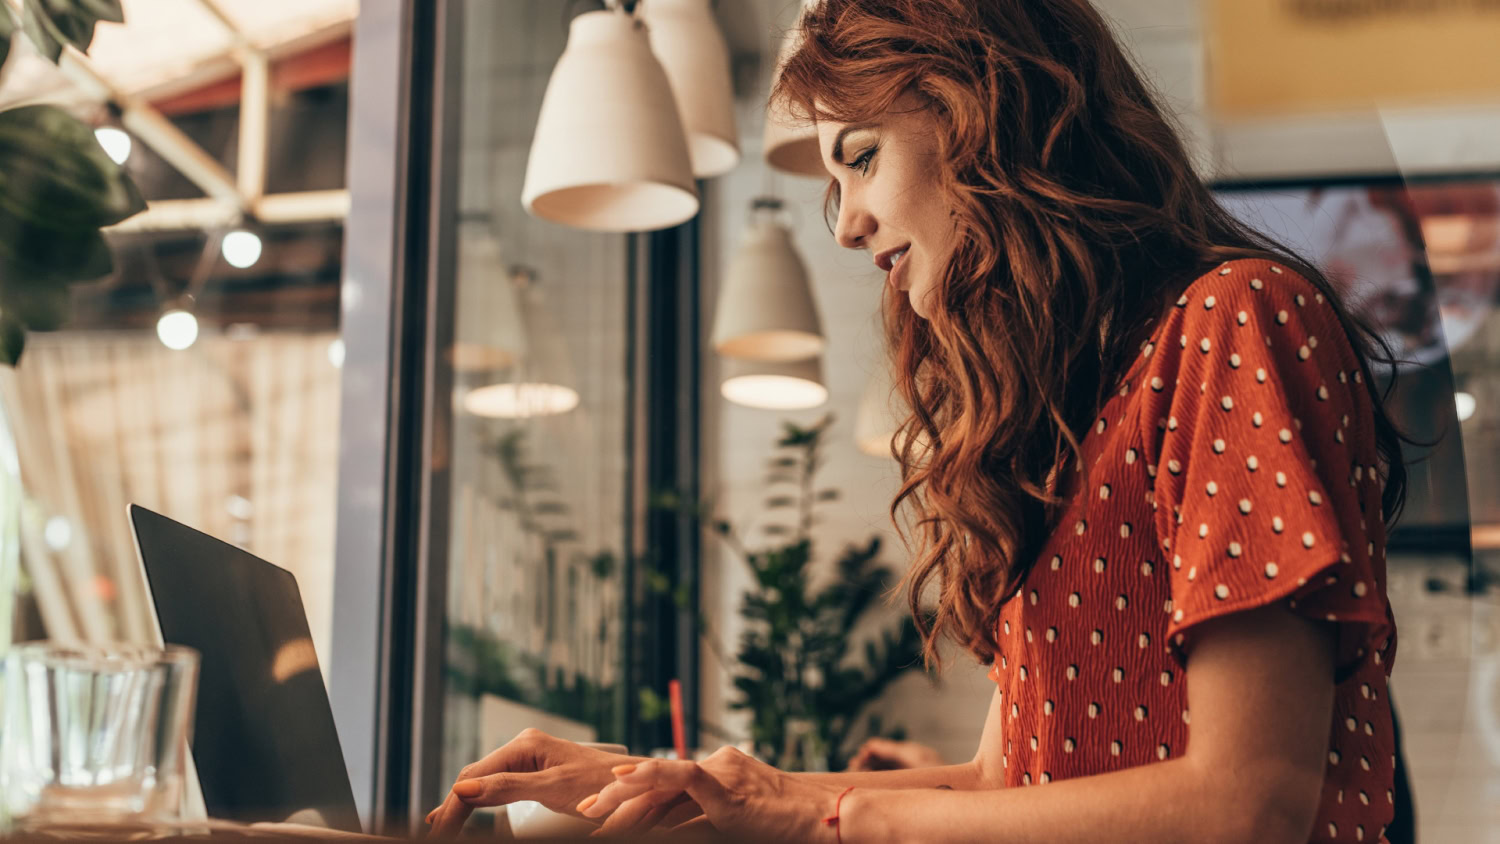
<point x="1420" y="261"/>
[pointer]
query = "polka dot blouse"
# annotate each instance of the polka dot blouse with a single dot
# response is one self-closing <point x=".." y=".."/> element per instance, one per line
<point x="1234" y="468"/>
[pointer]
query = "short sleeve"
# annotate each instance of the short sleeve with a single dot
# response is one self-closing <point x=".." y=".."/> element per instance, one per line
<point x="1260" y="434"/>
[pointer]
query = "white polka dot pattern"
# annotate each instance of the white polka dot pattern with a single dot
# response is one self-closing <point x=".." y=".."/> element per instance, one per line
<point x="1244" y="515"/>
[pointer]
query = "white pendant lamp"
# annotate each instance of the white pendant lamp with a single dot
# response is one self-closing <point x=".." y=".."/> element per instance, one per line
<point x="692" y="51"/>
<point x="539" y="384"/>
<point x="488" y="335"/>
<point x="791" y="141"/>
<point x="875" y="422"/>
<point x="609" y="153"/>
<point x="792" y="385"/>
<point x="766" y="309"/>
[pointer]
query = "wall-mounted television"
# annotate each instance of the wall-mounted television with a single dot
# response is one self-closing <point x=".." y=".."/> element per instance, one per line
<point x="1420" y="259"/>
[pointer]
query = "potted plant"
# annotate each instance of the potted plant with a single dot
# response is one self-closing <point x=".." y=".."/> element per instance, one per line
<point x="796" y="670"/>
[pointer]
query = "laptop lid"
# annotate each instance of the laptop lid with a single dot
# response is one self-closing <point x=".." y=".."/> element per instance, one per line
<point x="264" y="741"/>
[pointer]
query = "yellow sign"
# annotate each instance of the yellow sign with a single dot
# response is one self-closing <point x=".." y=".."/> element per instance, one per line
<point x="1269" y="57"/>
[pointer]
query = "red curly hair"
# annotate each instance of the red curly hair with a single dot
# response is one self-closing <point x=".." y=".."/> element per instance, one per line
<point x="1078" y="217"/>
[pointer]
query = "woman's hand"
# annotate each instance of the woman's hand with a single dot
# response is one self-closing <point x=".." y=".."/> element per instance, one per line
<point x="738" y="795"/>
<point x="532" y="766"/>
<point x="882" y="754"/>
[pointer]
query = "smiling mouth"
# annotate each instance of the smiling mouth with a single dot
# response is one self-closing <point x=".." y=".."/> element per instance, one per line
<point x="897" y="274"/>
<point x="888" y="260"/>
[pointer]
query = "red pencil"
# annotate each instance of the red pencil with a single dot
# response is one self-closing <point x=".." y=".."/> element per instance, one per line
<point x="679" y="734"/>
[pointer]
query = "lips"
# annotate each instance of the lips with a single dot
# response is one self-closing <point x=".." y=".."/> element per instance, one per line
<point x="888" y="259"/>
<point x="895" y="278"/>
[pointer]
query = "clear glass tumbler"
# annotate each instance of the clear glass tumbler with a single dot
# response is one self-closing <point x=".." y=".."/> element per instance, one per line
<point x="95" y="735"/>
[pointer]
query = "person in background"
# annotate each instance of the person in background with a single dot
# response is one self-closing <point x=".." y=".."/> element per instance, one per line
<point x="1146" y="478"/>
<point x="883" y="754"/>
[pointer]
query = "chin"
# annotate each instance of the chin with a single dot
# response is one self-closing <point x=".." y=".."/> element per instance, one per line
<point x="918" y="298"/>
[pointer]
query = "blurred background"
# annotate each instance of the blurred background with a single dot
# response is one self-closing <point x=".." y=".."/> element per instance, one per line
<point x="525" y="467"/>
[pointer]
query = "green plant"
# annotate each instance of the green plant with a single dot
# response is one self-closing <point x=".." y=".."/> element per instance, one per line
<point x="480" y="663"/>
<point x="794" y="668"/>
<point x="57" y="186"/>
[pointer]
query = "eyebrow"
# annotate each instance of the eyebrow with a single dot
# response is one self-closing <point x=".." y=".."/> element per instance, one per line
<point x="838" y="141"/>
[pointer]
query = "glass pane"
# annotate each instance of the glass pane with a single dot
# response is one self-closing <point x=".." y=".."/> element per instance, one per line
<point x="223" y="415"/>
<point x="1423" y="264"/>
<point x="538" y="469"/>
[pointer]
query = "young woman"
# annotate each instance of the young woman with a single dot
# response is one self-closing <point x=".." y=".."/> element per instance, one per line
<point x="1148" y="467"/>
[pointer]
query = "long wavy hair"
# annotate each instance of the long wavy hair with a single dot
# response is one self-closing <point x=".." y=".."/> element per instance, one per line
<point x="1078" y="217"/>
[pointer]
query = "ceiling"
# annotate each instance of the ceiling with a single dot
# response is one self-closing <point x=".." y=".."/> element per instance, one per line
<point x="168" y="46"/>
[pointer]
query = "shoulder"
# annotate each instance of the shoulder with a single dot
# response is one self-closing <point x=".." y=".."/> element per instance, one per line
<point x="1249" y="282"/>
<point x="1254" y="298"/>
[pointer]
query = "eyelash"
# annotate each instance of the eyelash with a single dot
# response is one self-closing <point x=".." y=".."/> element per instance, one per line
<point x="862" y="163"/>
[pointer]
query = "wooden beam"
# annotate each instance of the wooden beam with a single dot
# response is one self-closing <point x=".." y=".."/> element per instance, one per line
<point x="206" y="214"/>
<point x="322" y="65"/>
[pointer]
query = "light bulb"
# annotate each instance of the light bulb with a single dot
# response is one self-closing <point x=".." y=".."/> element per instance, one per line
<point x="116" y="143"/>
<point x="774" y="392"/>
<point x="239" y="507"/>
<point x="336" y="353"/>
<point x="177" y="329"/>
<point x="520" y="401"/>
<point x="1465" y="404"/>
<point x="58" y="533"/>
<point x="241" y="248"/>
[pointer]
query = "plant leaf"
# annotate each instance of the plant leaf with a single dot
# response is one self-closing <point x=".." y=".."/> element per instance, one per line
<point x="104" y="10"/>
<point x="50" y="24"/>
<point x="7" y="29"/>
<point x="32" y="258"/>
<point x="54" y="174"/>
<point x="38" y="307"/>
<point x="12" y="340"/>
<point x="42" y="31"/>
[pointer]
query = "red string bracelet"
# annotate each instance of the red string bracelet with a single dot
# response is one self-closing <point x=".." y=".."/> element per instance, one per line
<point x="833" y="820"/>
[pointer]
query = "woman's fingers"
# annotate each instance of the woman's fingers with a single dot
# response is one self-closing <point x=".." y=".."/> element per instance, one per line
<point x="633" y="815"/>
<point x="448" y="818"/>
<point x="659" y="776"/>
<point x="697" y="829"/>
<point x="616" y="793"/>
<point x="505" y="787"/>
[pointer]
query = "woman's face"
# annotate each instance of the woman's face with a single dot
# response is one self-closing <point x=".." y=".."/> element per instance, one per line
<point x="889" y="202"/>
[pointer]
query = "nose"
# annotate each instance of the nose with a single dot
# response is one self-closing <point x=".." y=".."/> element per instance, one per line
<point x="855" y="225"/>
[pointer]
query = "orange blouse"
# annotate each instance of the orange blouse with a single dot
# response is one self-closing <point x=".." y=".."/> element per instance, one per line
<point x="1234" y="468"/>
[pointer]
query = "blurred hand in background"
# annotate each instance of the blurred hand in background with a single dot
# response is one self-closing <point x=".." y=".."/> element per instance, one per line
<point x="881" y="754"/>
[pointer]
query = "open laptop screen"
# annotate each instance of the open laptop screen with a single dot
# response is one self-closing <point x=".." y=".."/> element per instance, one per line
<point x="264" y="739"/>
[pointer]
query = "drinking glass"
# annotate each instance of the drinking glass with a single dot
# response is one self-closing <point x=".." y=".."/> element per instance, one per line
<point x="94" y="735"/>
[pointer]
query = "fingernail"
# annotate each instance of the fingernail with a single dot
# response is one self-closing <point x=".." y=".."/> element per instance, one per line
<point x="467" y="788"/>
<point x="587" y="802"/>
<point x="622" y="770"/>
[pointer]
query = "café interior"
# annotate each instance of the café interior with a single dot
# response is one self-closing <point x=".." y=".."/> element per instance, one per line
<point x="394" y="318"/>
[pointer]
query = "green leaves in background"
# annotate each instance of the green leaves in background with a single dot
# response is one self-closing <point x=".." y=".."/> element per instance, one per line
<point x="7" y="29"/>
<point x="55" y="174"/>
<point x="798" y="668"/>
<point x="57" y="189"/>
<point x="57" y="186"/>
<point x="51" y="24"/>
<point x="12" y="339"/>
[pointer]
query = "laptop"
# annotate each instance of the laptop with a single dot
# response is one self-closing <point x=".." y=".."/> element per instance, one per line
<point x="264" y="743"/>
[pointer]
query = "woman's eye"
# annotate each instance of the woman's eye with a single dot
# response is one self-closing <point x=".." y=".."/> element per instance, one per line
<point x="862" y="163"/>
